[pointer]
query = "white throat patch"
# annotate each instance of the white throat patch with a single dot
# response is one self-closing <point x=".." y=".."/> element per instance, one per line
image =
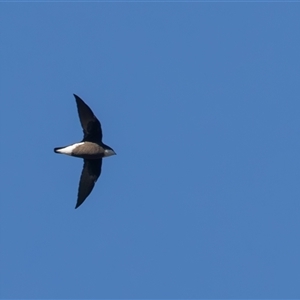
<point x="108" y="152"/>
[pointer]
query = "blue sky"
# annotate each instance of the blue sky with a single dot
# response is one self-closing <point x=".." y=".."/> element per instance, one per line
<point x="201" y="103"/>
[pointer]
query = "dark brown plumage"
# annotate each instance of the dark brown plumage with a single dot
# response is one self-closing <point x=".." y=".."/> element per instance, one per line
<point x="91" y="149"/>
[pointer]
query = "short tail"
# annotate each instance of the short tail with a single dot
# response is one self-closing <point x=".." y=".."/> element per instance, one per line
<point x="68" y="150"/>
<point x="56" y="150"/>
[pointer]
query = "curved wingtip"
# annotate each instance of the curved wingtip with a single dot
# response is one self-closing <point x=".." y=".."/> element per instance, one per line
<point x="78" y="203"/>
<point x="77" y="97"/>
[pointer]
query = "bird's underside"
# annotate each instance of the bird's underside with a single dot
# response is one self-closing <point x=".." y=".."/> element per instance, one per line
<point x="91" y="149"/>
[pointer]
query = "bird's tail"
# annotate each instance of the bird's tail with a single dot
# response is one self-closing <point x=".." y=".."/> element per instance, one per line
<point x="56" y="150"/>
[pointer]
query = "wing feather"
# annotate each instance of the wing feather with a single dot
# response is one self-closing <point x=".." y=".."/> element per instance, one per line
<point x="89" y="175"/>
<point x="91" y="126"/>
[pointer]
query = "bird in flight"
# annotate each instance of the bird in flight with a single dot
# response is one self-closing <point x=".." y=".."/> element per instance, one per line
<point x="91" y="149"/>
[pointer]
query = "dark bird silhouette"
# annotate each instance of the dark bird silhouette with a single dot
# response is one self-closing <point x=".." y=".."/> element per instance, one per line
<point x="91" y="149"/>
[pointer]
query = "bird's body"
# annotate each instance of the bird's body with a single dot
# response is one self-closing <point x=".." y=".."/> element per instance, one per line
<point x="91" y="149"/>
<point x="85" y="150"/>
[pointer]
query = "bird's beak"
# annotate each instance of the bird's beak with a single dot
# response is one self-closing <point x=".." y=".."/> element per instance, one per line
<point x="109" y="152"/>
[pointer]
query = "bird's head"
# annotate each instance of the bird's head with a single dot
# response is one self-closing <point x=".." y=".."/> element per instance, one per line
<point x="108" y="151"/>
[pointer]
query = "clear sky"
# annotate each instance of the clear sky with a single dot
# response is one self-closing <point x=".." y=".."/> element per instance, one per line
<point x="200" y="101"/>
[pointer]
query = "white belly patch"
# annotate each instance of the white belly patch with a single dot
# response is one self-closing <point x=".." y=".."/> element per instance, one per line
<point x="69" y="149"/>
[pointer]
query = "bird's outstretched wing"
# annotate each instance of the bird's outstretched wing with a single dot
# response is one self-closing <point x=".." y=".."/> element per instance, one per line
<point x="91" y="126"/>
<point x="90" y="173"/>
